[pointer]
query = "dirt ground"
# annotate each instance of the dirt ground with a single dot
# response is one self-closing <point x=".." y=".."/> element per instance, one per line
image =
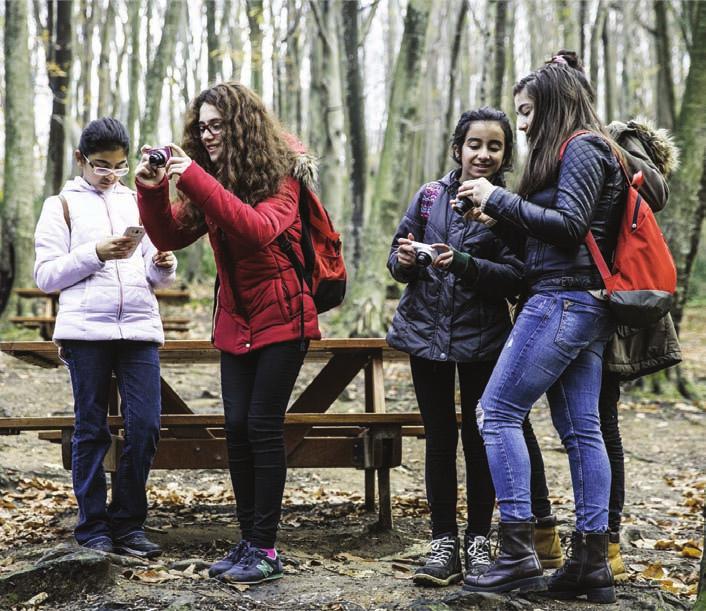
<point x="334" y="557"/>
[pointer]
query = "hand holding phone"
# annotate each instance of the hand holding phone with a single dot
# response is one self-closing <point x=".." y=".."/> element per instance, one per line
<point x="135" y="234"/>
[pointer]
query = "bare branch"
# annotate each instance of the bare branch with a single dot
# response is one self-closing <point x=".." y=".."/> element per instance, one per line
<point x="365" y="27"/>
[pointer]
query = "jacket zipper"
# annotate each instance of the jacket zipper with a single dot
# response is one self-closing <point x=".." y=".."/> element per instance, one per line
<point x="117" y="267"/>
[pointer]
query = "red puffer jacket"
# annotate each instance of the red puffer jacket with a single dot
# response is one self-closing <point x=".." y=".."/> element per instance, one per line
<point x="260" y="298"/>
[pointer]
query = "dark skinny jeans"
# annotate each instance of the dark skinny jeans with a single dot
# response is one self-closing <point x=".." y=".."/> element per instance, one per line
<point x="256" y="388"/>
<point x="434" y="385"/>
<point x="608" y="412"/>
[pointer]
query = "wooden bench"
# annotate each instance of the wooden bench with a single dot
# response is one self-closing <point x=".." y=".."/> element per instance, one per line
<point x="50" y="306"/>
<point x="370" y="440"/>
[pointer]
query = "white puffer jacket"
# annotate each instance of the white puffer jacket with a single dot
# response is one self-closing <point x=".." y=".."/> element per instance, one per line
<point x="99" y="300"/>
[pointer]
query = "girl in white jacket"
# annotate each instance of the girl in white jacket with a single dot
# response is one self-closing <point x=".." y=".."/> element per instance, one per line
<point x="108" y="323"/>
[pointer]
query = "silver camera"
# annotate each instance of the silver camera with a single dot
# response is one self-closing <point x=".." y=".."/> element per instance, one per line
<point x="424" y="255"/>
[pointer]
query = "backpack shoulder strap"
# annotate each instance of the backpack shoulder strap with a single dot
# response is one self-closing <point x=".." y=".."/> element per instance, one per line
<point x="65" y="206"/>
<point x="139" y="219"/>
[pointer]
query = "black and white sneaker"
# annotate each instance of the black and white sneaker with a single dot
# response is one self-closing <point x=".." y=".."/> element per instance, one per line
<point x="443" y="566"/>
<point x="476" y="554"/>
<point x="137" y="544"/>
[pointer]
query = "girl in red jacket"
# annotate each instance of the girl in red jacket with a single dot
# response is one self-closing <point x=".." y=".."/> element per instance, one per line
<point x="236" y="183"/>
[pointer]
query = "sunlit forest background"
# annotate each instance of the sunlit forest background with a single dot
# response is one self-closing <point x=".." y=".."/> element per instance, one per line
<point x="373" y="87"/>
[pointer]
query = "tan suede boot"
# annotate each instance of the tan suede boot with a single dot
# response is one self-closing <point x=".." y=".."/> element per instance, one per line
<point x="615" y="560"/>
<point x="547" y="544"/>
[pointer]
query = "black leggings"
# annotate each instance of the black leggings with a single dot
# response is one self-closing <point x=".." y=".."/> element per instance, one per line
<point x="256" y="388"/>
<point x="434" y="385"/>
<point x="608" y="411"/>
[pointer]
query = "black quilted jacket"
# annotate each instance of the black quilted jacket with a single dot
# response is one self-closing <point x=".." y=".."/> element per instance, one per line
<point x="548" y="230"/>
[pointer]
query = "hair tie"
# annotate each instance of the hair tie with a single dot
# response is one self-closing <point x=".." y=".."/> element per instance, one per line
<point x="559" y="59"/>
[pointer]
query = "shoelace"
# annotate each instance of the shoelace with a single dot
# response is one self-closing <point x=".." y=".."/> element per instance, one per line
<point x="479" y="550"/>
<point x="236" y="551"/>
<point x="441" y="551"/>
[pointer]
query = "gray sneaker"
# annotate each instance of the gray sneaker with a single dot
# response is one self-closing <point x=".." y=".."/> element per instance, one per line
<point x="476" y="554"/>
<point x="443" y="566"/>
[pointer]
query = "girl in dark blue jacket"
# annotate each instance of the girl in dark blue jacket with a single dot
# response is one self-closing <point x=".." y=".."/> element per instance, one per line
<point x="446" y="323"/>
<point x="556" y="346"/>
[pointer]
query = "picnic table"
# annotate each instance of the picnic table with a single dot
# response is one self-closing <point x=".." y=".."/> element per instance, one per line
<point x="49" y="306"/>
<point x="370" y="439"/>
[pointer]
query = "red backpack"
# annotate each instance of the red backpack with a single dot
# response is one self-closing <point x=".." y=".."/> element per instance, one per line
<point x="323" y="270"/>
<point x="643" y="282"/>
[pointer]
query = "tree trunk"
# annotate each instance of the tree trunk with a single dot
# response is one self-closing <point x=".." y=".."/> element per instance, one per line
<point x="681" y="221"/>
<point x="500" y="42"/>
<point x="568" y="25"/>
<point x="157" y="72"/>
<point x="666" y="107"/>
<point x="598" y="26"/>
<point x="105" y="73"/>
<point x="609" y="67"/>
<point x="364" y="313"/>
<point x="582" y="20"/>
<point x="536" y="31"/>
<point x="452" y="92"/>
<point x="255" y="21"/>
<point x="487" y="63"/>
<point x="509" y="105"/>
<point x="59" y="71"/>
<point x="17" y="210"/>
<point x="331" y="149"/>
<point x="357" y="140"/>
<point x="212" y="41"/>
<point x="133" y="75"/>
<point x="89" y="13"/>
<point x="291" y="101"/>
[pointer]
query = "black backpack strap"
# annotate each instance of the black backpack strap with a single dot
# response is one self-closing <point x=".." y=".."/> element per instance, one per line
<point x="286" y="246"/>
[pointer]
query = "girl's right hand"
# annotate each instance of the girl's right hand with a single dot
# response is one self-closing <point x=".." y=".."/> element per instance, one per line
<point x="113" y="248"/>
<point x="405" y="252"/>
<point x="145" y="172"/>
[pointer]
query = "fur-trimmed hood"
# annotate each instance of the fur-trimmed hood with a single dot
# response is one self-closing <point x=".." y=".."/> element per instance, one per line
<point x="658" y="143"/>
<point x="306" y="165"/>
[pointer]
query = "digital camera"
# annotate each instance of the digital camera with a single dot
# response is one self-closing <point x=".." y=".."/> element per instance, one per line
<point x="424" y="255"/>
<point x="463" y="205"/>
<point x="158" y="157"/>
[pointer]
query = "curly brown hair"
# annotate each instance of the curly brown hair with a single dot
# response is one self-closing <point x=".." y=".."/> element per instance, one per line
<point x="256" y="155"/>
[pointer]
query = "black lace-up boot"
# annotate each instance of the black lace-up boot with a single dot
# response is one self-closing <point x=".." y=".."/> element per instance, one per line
<point x="516" y="567"/>
<point x="476" y="553"/>
<point x="443" y="566"/>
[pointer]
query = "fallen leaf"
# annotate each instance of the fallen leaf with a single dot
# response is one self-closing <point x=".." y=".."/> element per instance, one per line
<point x="654" y="571"/>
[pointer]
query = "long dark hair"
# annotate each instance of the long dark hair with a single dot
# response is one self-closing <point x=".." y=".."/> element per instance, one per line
<point x="562" y="106"/>
<point x="486" y="113"/>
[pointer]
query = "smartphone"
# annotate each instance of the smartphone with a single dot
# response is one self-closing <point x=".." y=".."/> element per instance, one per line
<point x="135" y="234"/>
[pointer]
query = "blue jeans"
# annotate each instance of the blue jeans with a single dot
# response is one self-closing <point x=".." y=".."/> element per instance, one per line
<point x="556" y="346"/>
<point x="136" y="368"/>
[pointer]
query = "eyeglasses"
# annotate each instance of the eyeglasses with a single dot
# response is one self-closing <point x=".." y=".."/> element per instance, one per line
<point x="214" y="129"/>
<point x="99" y="171"/>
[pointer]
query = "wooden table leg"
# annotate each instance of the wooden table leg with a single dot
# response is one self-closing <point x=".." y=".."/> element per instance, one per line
<point x="374" y="402"/>
<point x="385" y="511"/>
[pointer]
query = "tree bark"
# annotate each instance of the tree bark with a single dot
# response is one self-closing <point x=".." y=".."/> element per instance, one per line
<point x="500" y="42"/>
<point x="17" y="210"/>
<point x="568" y="25"/>
<point x="582" y="20"/>
<point x="357" y="139"/>
<point x="59" y="71"/>
<point x="255" y="21"/>
<point x="364" y="312"/>
<point x="666" y="106"/>
<point x="330" y="146"/>
<point x="608" y="71"/>
<point x="452" y="90"/>
<point x="682" y="219"/>
<point x="105" y="74"/>
<point x="598" y="26"/>
<point x="86" y="78"/>
<point x="133" y="75"/>
<point x="212" y="41"/>
<point x="158" y="70"/>
<point x="291" y="102"/>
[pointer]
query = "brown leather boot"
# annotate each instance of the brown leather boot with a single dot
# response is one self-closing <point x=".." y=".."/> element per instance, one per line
<point x="585" y="571"/>
<point x="615" y="560"/>
<point x="516" y="567"/>
<point x="547" y="544"/>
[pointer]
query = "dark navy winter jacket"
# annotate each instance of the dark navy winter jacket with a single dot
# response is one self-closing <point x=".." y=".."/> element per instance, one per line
<point x="548" y="230"/>
<point x="441" y="317"/>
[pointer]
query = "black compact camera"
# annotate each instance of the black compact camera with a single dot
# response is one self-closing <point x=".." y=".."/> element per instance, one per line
<point x="463" y="205"/>
<point x="158" y="157"/>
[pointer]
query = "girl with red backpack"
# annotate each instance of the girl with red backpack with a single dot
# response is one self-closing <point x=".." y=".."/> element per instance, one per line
<point x="236" y="184"/>
<point x="557" y="343"/>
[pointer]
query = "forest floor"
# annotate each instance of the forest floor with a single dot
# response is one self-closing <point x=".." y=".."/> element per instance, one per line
<point x="334" y="559"/>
